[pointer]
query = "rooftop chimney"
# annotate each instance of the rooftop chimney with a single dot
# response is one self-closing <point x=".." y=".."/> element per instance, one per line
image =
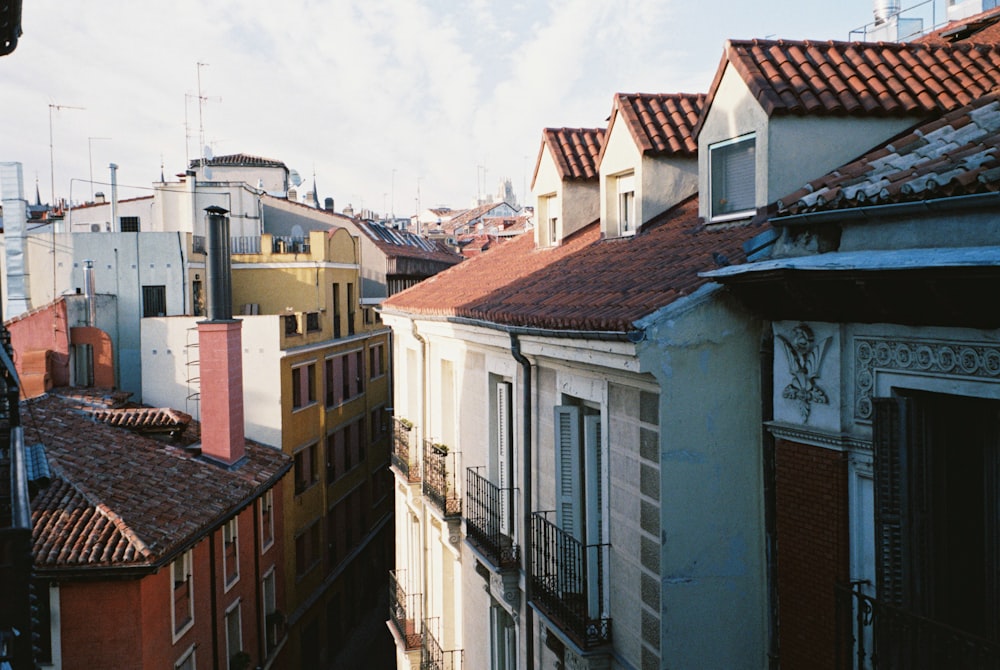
<point x="221" y="350"/>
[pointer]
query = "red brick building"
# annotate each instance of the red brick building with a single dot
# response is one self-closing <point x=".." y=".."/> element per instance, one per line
<point x="149" y="554"/>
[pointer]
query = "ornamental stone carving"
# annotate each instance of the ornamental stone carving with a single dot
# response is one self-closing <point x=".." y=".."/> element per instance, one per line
<point x="953" y="359"/>
<point x="805" y="356"/>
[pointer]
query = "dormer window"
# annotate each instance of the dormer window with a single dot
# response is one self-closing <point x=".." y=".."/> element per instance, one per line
<point x="625" y="187"/>
<point x="732" y="167"/>
<point x="548" y="218"/>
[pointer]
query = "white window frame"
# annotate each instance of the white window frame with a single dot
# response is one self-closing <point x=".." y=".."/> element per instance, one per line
<point x="504" y="470"/>
<point x="267" y="503"/>
<point x="235" y="607"/>
<point x="185" y="657"/>
<point x="230" y="533"/>
<point x="549" y="214"/>
<point x="582" y="492"/>
<point x="187" y="561"/>
<point x="743" y="212"/>
<point x="625" y="197"/>
<point x="503" y="639"/>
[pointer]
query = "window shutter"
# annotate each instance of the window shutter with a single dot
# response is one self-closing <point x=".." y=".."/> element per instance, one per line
<point x="567" y="424"/>
<point x="504" y="454"/>
<point x="733" y="174"/>
<point x="887" y="433"/>
<point x="594" y="497"/>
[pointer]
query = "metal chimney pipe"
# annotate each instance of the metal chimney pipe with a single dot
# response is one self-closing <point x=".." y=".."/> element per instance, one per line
<point x="219" y="265"/>
<point x="89" y="293"/>
<point x="114" y="197"/>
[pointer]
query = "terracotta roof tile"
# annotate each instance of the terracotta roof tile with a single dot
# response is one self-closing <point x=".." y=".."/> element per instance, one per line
<point x="119" y="499"/>
<point x="660" y="123"/>
<point x="574" y="150"/>
<point x="982" y="28"/>
<point x="586" y="283"/>
<point x="883" y="79"/>
<point x="957" y="154"/>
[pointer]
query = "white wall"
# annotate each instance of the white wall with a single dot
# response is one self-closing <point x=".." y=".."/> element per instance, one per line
<point x="170" y="370"/>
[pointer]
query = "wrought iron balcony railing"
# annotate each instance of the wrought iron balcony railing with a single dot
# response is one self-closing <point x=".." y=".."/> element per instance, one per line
<point x="432" y="657"/>
<point x="403" y="451"/>
<point x="568" y="582"/>
<point x="875" y="635"/>
<point x="489" y="519"/>
<point x="404" y="611"/>
<point x="441" y="478"/>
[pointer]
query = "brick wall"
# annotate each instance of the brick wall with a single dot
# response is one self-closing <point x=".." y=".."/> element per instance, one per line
<point x="812" y="554"/>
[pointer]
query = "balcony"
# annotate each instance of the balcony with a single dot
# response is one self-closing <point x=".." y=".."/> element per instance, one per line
<point x="568" y="582"/>
<point x="489" y="519"/>
<point x="873" y="635"/>
<point x="404" y="611"/>
<point x="403" y="450"/>
<point x="441" y="478"/>
<point x="432" y="657"/>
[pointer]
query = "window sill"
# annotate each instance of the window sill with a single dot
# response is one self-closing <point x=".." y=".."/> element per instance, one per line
<point x="734" y="216"/>
<point x="302" y="407"/>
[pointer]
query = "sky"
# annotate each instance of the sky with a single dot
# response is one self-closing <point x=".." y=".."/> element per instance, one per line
<point x="391" y="105"/>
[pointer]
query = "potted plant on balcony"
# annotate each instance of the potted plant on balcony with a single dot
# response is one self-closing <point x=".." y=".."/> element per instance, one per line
<point x="406" y="424"/>
<point x="440" y="448"/>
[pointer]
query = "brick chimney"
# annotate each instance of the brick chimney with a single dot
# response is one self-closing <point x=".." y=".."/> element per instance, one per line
<point x="220" y="345"/>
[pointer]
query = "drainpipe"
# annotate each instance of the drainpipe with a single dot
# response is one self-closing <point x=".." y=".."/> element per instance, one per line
<point x="114" y="198"/>
<point x="213" y="599"/>
<point x="767" y="463"/>
<point x="424" y="523"/>
<point x="526" y="469"/>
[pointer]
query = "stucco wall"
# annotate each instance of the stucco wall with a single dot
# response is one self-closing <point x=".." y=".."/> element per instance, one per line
<point x="704" y="352"/>
<point x="170" y="371"/>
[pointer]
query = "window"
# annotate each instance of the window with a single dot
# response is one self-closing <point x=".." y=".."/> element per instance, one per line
<point x="303" y="385"/>
<point x="502" y="458"/>
<point x="154" y="301"/>
<point x="197" y="298"/>
<point x="183" y="599"/>
<point x="273" y="622"/>
<point x="313" y="323"/>
<point x="376" y="360"/>
<point x="625" y="187"/>
<point x="307" y="547"/>
<point x="291" y="324"/>
<point x="548" y="217"/>
<point x="344" y="379"/>
<point x="345" y="449"/>
<point x="129" y="224"/>
<point x="379" y="424"/>
<point x="305" y="468"/>
<point x="336" y="309"/>
<point x="733" y="177"/>
<point x="231" y="551"/>
<point x="187" y="661"/>
<point x="234" y="632"/>
<point x="350" y="309"/>
<point x="267" y="519"/>
<point x="503" y="639"/>
<point x="581" y="494"/>
<point x="937" y="483"/>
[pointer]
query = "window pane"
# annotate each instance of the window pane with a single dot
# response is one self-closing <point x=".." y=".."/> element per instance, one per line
<point x="733" y="173"/>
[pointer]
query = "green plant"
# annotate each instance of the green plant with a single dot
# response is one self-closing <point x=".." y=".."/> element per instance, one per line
<point x="406" y="424"/>
<point x="440" y="448"/>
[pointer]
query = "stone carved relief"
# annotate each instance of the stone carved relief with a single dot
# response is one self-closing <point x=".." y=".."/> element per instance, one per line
<point x="955" y="359"/>
<point x="805" y="356"/>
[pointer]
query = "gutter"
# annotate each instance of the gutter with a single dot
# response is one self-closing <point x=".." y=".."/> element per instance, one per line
<point x="865" y="213"/>
<point x="633" y="336"/>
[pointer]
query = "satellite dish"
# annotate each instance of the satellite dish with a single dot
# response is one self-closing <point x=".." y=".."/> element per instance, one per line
<point x="208" y="153"/>
<point x="294" y="177"/>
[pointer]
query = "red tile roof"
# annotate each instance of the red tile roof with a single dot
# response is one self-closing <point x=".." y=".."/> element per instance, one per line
<point x="958" y="154"/>
<point x="144" y="419"/>
<point x="119" y="499"/>
<point x="575" y="152"/>
<point x="982" y="28"/>
<point x="660" y="123"/>
<point x="860" y="78"/>
<point x="586" y="283"/>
